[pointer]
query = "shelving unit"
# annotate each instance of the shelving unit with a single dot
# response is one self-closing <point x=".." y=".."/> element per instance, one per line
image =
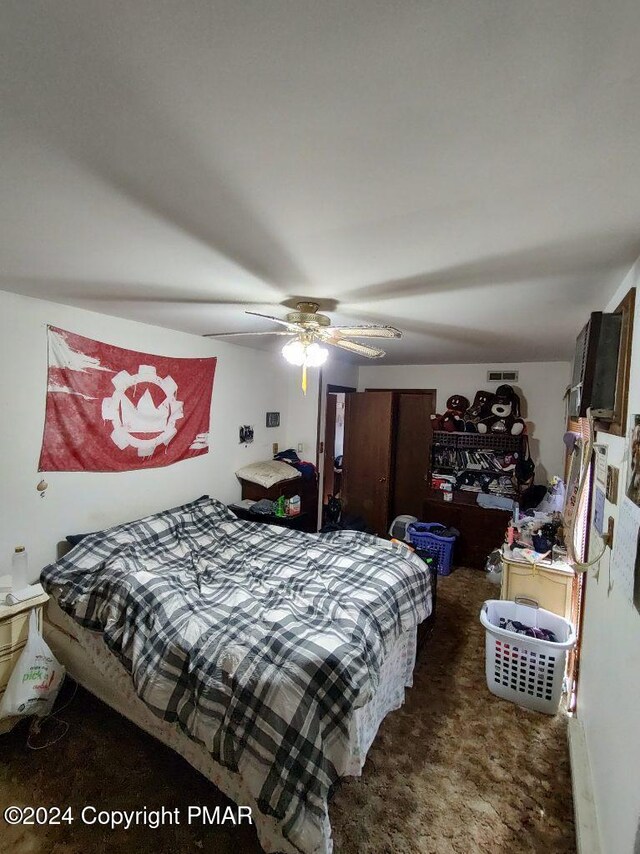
<point x="475" y="462"/>
<point x="307" y="489"/>
<point x="481" y="529"/>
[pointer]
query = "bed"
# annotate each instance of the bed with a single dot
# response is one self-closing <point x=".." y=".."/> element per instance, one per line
<point x="266" y="657"/>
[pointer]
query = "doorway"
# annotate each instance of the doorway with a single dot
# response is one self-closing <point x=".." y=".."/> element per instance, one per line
<point x="333" y="445"/>
<point x="331" y="442"/>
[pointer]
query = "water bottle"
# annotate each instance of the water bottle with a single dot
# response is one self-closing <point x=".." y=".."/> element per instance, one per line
<point x="20" y="564"/>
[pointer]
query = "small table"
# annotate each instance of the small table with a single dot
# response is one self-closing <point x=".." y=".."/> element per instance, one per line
<point x="14" y="630"/>
<point x="553" y="585"/>
<point x="297" y="523"/>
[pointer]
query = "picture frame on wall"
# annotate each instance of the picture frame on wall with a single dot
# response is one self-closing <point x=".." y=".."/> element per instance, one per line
<point x="273" y="419"/>
<point x="246" y="434"/>
<point x="633" y="478"/>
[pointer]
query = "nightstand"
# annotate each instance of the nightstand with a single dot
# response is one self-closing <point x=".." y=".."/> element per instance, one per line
<point x="306" y="489"/>
<point x="14" y="628"/>
<point x="297" y="523"/>
<point x="552" y="585"/>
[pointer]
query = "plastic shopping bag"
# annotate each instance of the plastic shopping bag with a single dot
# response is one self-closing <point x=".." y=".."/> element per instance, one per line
<point x="36" y="678"/>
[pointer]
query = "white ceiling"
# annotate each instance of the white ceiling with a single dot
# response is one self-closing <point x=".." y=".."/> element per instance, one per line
<point x="467" y="170"/>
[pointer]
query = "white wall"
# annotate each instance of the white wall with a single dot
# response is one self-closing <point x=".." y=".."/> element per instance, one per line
<point x="609" y="686"/>
<point x="541" y="387"/>
<point x="247" y="384"/>
<point x="302" y="412"/>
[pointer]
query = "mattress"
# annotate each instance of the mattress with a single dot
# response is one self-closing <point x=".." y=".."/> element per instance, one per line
<point x="93" y="666"/>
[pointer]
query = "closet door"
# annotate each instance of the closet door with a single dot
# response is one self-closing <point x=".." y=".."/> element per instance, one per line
<point x="412" y="442"/>
<point x="367" y="459"/>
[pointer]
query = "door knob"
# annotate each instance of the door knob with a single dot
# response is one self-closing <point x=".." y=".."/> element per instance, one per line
<point x="382" y="479"/>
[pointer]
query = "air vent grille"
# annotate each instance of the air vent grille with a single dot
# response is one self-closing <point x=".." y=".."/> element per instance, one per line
<point x="502" y="376"/>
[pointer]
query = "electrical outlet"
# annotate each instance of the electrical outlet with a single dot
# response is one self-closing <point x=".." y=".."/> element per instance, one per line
<point x="300" y="447"/>
<point x="274" y="448"/>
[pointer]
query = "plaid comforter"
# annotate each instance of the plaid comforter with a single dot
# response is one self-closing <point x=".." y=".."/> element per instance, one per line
<point x="259" y="642"/>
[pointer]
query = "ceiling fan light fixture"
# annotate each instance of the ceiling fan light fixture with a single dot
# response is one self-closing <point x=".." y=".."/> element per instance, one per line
<point x="301" y="353"/>
<point x="316" y="355"/>
<point x="307" y="326"/>
<point x="294" y="352"/>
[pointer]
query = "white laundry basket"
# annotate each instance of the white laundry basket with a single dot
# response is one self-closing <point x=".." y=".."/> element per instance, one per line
<point x="525" y="670"/>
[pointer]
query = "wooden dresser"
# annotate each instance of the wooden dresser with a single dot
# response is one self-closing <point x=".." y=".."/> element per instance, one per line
<point x="14" y="628"/>
<point x="481" y="530"/>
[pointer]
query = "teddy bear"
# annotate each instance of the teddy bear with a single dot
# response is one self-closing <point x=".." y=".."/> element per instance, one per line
<point x="452" y="421"/>
<point x="479" y="410"/>
<point x="504" y="414"/>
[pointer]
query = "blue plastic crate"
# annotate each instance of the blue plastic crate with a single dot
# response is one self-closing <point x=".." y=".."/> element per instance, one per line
<point x="423" y="537"/>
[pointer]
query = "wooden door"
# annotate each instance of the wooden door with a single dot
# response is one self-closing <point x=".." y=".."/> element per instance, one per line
<point x="412" y="442"/>
<point x="329" y="446"/>
<point x="367" y="459"/>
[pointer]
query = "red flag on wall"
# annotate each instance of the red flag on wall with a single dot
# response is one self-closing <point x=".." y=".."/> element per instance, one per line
<point x="110" y="409"/>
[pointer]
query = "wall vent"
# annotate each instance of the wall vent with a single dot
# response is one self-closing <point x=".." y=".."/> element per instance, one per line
<point x="502" y="376"/>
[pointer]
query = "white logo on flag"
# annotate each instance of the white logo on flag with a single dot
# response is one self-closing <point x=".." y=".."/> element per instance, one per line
<point x="145" y="417"/>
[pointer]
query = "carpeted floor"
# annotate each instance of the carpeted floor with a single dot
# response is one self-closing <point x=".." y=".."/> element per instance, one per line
<point x="454" y="770"/>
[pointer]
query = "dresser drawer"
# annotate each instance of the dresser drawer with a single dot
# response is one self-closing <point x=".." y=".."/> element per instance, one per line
<point x="14" y="630"/>
<point x="7" y="663"/>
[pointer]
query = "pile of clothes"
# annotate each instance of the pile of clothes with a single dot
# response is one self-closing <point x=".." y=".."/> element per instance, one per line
<point x="529" y="631"/>
<point x="264" y="507"/>
<point x="306" y="469"/>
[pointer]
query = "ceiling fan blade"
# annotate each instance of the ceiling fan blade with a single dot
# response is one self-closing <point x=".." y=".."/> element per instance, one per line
<point x="233" y="334"/>
<point x="286" y="323"/>
<point x="364" y="331"/>
<point x="355" y="347"/>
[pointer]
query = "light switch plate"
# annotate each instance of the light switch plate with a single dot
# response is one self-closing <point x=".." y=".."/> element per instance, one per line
<point x="300" y="447"/>
<point x="275" y="448"/>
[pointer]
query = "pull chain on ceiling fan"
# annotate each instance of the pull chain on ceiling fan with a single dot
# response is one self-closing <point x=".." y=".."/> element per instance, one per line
<point x="310" y="329"/>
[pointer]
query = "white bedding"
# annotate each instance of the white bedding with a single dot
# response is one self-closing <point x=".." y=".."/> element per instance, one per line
<point x="91" y="664"/>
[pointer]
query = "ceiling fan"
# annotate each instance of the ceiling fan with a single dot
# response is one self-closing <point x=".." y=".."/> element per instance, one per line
<point x="309" y="329"/>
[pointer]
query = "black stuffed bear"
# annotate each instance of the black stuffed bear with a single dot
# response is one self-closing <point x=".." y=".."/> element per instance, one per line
<point x="505" y="414"/>
<point x="479" y="410"/>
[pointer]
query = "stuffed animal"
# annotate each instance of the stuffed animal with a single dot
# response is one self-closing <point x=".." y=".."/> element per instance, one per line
<point x="505" y="413"/>
<point x="452" y="421"/>
<point x="478" y="411"/>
